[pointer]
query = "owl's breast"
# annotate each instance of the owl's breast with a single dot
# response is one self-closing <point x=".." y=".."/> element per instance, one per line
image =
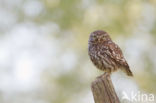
<point x="95" y="56"/>
<point x="100" y="58"/>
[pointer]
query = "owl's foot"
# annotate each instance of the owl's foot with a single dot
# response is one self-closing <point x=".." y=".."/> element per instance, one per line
<point x="103" y="75"/>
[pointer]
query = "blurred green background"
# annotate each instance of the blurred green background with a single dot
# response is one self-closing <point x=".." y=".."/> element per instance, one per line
<point x="43" y="48"/>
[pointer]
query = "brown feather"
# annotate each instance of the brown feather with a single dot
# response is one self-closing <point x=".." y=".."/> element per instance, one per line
<point x="105" y="54"/>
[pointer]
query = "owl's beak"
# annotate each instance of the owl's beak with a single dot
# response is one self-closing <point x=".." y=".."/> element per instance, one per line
<point x="91" y="39"/>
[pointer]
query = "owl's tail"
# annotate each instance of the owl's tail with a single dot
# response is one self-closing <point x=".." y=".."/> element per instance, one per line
<point x="128" y="71"/>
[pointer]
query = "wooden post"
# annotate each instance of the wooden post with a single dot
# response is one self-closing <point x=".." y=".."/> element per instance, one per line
<point x="103" y="90"/>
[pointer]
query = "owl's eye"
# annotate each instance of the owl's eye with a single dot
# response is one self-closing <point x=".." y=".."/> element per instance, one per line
<point x="103" y="36"/>
<point x="95" y="38"/>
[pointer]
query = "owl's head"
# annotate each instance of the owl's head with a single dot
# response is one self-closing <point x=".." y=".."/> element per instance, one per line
<point x="99" y="36"/>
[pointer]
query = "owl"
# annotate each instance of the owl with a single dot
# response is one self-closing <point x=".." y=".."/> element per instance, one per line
<point x="105" y="54"/>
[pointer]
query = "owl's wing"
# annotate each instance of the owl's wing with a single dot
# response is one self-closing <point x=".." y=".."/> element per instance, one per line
<point x="114" y="52"/>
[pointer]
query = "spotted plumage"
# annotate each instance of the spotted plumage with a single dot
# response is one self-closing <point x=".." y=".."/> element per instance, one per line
<point x="105" y="54"/>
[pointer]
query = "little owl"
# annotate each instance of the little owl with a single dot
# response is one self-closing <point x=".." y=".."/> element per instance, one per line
<point x="105" y="54"/>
